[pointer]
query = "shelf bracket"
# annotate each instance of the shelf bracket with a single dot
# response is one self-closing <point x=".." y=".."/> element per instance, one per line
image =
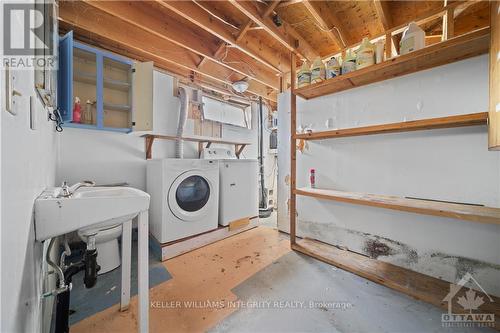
<point x="238" y="149"/>
<point x="149" y="145"/>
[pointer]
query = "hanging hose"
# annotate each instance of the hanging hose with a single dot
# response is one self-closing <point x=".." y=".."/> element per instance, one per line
<point x="56" y="268"/>
<point x="179" y="144"/>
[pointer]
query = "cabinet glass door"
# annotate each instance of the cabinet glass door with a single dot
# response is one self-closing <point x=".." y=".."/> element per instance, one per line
<point x="85" y="85"/>
<point x="117" y="94"/>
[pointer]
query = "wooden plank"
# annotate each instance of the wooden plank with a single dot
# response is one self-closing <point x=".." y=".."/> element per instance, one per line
<point x="473" y="119"/>
<point x="473" y="213"/>
<point x="454" y="49"/>
<point x="383" y="13"/>
<point x="285" y="34"/>
<point x="152" y="46"/>
<point x="152" y="21"/>
<point x="494" y="112"/>
<point x="238" y="224"/>
<point x="414" y="284"/>
<point x="196" y="139"/>
<point x="421" y="20"/>
<point x="448" y="24"/>
<point x="176" y="248"/>
<point x="327" y="20"/>
<point x="293" y="151"/>
<point x="194" y="14"/>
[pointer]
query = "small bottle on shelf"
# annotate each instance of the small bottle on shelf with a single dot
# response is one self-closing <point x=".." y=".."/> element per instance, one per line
<point x="312" y="178"/>
<point x="77" y="110"/>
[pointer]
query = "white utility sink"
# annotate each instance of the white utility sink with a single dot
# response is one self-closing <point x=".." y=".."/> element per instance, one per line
<point x="95" y="207"/>
<point x="88" y="207"/>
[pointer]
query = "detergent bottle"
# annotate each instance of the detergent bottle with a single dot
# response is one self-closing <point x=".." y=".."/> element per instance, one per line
<point x="413" y="39"/>
<point x="317" y="71"/>
<point x="349" y="63"/>
<point x="366" y="54"/>
<point x="303" y="75"/>
<point x="332" y="68"/>
<point x="77" y="110"/>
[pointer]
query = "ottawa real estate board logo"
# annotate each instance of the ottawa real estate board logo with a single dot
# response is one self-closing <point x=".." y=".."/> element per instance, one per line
<point x="470" y="302"/>
<point x="27" y="37"/>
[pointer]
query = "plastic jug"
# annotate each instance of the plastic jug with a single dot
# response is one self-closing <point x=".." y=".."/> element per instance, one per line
<point x="303" y="75"/>
<point x="366" y="54"/>
<point x="413" y="39"/>
<point x="332" y="68"/>
<point x="349" y="63"/>
<point x="317" y="71"/>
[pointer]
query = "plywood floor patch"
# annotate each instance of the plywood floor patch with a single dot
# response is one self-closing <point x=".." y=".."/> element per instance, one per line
<point x="198" y="295"/>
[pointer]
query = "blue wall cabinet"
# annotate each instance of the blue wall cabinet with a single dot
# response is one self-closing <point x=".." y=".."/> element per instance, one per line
<point x="115" y="93"/>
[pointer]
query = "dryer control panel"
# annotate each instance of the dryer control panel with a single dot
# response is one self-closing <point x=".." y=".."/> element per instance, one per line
<point x="217" y="154"/>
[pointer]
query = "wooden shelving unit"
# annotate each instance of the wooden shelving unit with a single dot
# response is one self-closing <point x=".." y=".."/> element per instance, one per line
<point x="474" y="213"/>
<point x="472" y="119"/>
<point x="450" y="50"/>
<point x="454" y="49"/>
<point x="203" y="142"/>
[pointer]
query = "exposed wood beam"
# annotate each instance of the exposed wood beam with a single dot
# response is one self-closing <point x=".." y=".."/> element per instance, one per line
<point x="92" y="22"/>
<point x="494" y="112"/>
<point x="184" y="75"/>
<point x="383" y="13"/>
<point x="284" y="4"/>
<point x="262" y="53"/>
<point x="244" y="30"/>
<point x="285" y="34"/>
<point x="152" y="22"/>
<point x="327" y="20"/>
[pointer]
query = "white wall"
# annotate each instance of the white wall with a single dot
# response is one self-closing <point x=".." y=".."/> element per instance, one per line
<point x="447" y="164"/>
<point x="28" y="159"/>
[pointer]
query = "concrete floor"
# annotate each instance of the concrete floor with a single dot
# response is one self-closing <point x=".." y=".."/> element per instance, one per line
<point x="342" y="302"/>
<point x="263" y="286"/>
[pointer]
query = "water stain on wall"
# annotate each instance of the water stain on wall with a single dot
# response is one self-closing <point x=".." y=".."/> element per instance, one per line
<point x="434" y="263"/>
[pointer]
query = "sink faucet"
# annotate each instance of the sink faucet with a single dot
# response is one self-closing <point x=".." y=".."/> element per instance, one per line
<point x="67" y="191"/>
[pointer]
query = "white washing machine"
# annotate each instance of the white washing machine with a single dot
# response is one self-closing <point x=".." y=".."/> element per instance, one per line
<point x="238" y="185"/>
<point x="184" y="197"/>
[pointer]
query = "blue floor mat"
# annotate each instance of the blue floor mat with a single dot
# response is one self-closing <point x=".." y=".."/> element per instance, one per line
<point x="106" y="293"/>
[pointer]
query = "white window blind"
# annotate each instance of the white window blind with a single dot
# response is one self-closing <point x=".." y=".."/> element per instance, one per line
<point x="226" y="113"/>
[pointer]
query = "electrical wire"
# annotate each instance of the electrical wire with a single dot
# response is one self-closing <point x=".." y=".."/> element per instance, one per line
<point x="216" y="16"/>
<point x="321" y="28"/>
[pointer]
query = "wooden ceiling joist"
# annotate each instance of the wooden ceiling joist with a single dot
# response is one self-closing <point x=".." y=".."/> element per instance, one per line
<point x="328" y="22"/>
<point x="382" y="8"/>
<point x="153" y="22"/>
<point x="243" y="31"/>
<point x="92" y="22"/>
<point x="285" y="34"/>
<point x="249" y="45"/>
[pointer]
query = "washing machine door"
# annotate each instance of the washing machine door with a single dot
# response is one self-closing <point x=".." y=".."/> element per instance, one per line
<point x="190" y="195"/>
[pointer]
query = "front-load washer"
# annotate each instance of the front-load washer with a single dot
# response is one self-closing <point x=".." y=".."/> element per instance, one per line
<point x="184" y="197"/>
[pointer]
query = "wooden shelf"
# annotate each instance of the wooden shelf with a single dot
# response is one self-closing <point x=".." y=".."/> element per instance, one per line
<point x="238" y="145"/>
<point x="454" y="49"/>
<point x="436" y="208"/>
<point x="472" y="119"/>
<point x="414" y="284"/>
<point x="116" y="107"/>
<point x="89" y="78"/>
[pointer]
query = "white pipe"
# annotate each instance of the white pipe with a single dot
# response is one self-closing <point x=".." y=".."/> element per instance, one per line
<point x="179" y="144"/>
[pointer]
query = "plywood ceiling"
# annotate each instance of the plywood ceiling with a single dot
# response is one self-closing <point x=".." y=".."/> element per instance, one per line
<point x="214" y="43"/>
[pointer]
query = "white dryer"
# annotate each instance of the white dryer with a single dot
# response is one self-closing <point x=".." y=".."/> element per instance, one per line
<point x="184" y="197"/>
<point x="238" y="185"/>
